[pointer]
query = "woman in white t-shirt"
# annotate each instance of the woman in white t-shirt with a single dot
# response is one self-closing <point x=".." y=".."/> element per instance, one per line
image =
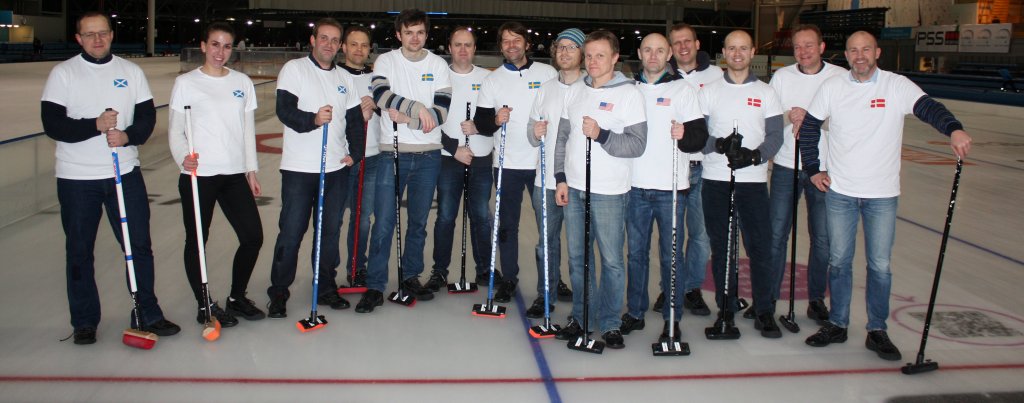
<point x="223" y="104"/>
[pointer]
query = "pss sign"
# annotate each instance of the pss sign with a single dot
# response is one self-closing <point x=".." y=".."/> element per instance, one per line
<point x="937" y="38"/>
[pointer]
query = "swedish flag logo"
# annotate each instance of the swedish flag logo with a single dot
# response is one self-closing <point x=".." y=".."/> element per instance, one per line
<point x="427" y="77"/>
<point x="534" y="85"/>
<point x="238" y="94"/>
<point x="476" y="87"/>
<point x="120" y="83"/>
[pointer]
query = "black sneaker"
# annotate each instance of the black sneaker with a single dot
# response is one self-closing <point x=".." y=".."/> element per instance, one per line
<point x="245" y="308"/>
<point x="613" y="339"/>
<point x="225" y="319"/>
<point x="571" y="331"/>
<point x="659" y="303"/>
<point x="766" y="324"/>
<point x="817" y="311"/>
<point x="277" y="307"/>
<point x="506" y="291"/>
<point x="828" y="334"/>
<point x="536" y="311"/>
<point x="371" y="299"/>
<point x="664" y="332"/>
<point x="332" y="299"/>
<point x="630" y="323"/>
<point x="564" y="293"/>
<point x="436" y="282"/>
<point x="483" y="279"/>
<point x="359" y="280"/>
<point x="750" y="313"/>
<point x="878" y="341"/>
<point x="164" y="327"/>
<point x="694" y="301"/>
<point x="85" y="335"/>
<point x="413" y="287"/>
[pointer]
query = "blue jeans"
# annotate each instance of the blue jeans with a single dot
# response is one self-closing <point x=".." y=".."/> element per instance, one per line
<point x="82" y="203"/>
<point x="555" y="217"/>
<point x="698" y="246"/>
<point x="608" y="228"/>
<point x="513" y="182"/>
<point x="781" y="213"/>
<point x="419" y="172"/>
<point x="299" y="194"/>
<point x="752" y="215"/>
<point x="644" y="207"/>
<point x="449" y="201"/>
<point x="370" y="165"/>
<point x="879" y="217"/>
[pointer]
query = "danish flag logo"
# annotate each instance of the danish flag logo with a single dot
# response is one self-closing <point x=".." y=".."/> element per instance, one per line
<point x="755" y="102"/>
<point x="878" y="103"/>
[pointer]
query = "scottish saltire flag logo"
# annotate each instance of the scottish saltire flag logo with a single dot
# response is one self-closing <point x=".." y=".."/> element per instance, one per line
<point x="476" y="87"/>
<point x="534" y="85"/>
<point x="238" y="94"/>
<point x="606" y="106"/>
<point x="878" y="103"/>
<point x="342" y="89"/>
<point x="120" y="83"/>
<point x="664" y="102"/>
<point x="755" y="102"/>
<point x="427" y="77"/>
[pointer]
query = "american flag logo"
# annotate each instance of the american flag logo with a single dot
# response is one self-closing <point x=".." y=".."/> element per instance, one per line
<point x="120" y="83"/>
<point x="534" y="85"/>
<point x="476" y="87"/>
<point x="755" y="102"/>
<point x="238" y="94"/>
<point x="664" y="102"/>
<point x="606" y="106"/>
<point x="427" y="77"/>
<point x="878" y="103"/>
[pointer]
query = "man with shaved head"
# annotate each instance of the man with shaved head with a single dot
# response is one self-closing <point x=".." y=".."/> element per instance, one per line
<point x="675" y="125"/>
<point x="743" y="102"/>
<point x="865" y="109"/>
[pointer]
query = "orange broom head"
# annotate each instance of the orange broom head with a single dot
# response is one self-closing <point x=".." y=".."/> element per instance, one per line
<point x="351" y="290"/>
<point x="139" y="339"/>
<point x="211" y="331"/>
<point x="542" y="332"/>
<point x="494" y="311"/>
<point x="312" y="323"/>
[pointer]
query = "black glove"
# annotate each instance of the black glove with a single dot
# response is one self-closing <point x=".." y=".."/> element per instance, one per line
<point x="728" y="144"/>
<point x="744" y="157"/>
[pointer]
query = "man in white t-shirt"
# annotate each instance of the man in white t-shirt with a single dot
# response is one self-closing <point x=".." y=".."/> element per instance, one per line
<point x="695" y="68"/>
<point x="356" y="46"/>
<point x="607" y="109"/>
<point x="309" y="90"/>
<point x="412" y="88"/>
<point x="796" y="85"/>
<point x="740" y="98"/>
<point x="567" y="51"/>
<point x="463" y="148"/>
<point x="73" y="105"/>
<point x="866" y="111"/>
<point x="672" y="110"/>
<point x="505" y="99"/>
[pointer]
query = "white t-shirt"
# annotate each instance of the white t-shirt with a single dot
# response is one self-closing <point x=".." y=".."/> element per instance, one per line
<point x="796" y="89"/>
<point x="698" y="79"/>
<point x="465" y="88"/>
<point x="316" y="87"/>
<point x="362" y="82"/>
<point x="416" y="81"/>
<point x="614" y="108"/>
<point x="749" y="104"/>
<point x="548" y="106"/>
<point x="865" y="131"/>
<point x="675" y="100"/>
<point x="516" y="89"/>
<point x="86" y="90"/>
<point x="219" y="106"/>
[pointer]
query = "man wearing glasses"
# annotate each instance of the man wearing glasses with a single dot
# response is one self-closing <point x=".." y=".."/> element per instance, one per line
<point x="92" y="103"/>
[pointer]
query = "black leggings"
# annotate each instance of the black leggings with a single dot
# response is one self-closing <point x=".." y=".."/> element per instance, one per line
<point x="239" y="206"/>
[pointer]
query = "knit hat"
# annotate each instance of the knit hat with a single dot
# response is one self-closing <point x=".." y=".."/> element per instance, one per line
<point x="572" y="34"/>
